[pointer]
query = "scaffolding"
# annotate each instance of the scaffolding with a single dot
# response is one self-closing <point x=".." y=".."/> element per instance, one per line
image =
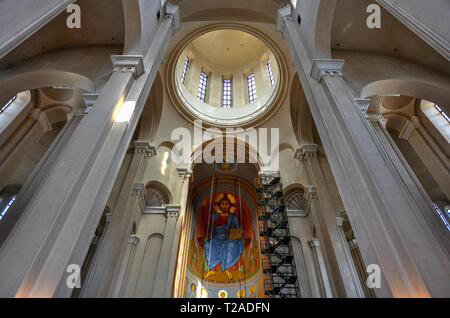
<point x="277" y="255"/>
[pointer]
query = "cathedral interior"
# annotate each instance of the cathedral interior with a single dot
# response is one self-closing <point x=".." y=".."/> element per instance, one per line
<point x="120" y="176"/>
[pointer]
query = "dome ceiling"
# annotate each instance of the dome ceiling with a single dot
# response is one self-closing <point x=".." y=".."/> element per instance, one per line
<point x="243" y="60"/>
<point x="349" y="33"/>
<point x="228" y="48"/>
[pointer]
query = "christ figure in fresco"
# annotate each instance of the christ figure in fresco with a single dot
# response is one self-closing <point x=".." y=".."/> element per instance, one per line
<point x="226" y="238"/>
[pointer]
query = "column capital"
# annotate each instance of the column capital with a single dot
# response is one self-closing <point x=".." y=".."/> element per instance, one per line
<point x="352" y="244"/>
<point x="143" y="147"/>
<point x="309" y="195"/>
<point x="139" y="191"/>
<point x="133" y="239"/>
<point x="132" y="63"/>
<point x="314" y="242"/>
<point x="376" y="117"/>
<point x="363" y="105"/>
<point x="306" y="151"/>
<point x="173" y="11"/>
<point x="409" y="127"/>
<point x="283" y="14"/>
<point x="90" y="100"/>
<point x="108" y="217"/>
<point x="340" y="221"/>
<point x="323" y="67"/>
<point x="96" y="240"/>
<point x="184" y="173"/>
<point x="44" y="122"/>
<point x="173" y="210"/>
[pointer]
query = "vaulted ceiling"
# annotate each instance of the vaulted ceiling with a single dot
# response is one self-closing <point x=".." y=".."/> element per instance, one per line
<point x="350" y="32"/>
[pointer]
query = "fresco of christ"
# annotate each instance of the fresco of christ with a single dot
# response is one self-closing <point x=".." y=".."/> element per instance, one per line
<point x="224" y="232"/>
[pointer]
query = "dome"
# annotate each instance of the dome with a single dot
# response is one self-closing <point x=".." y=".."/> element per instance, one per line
<point x="226" y="77"/>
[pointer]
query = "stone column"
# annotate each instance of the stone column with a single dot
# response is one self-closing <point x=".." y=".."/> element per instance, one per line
<point x="321" y="270"/>
<point x="390" y="228"/>
<point x="349" y="259"/>
<point x="131" y="201"/>
<point x="164" y="277"/>
<point x="342" y="273"/>
<point x="132" y="242"/>
<point x="14" y="151"/>
<point x="417" y="193"/>
<point x="434" y="159"/>
<point x="301" y="233"/>
<point x="181" y="240"/>
<point x="55" y="228"/>
<point x="41" y="171"/>
<point x="360" y="267"/>
<point x="89" y="274"/>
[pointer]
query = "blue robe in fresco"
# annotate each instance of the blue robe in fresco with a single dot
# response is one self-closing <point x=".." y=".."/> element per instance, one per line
<point x="219" y="248"/>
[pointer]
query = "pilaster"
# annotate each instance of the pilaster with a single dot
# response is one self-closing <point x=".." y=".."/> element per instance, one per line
<point x="164" y="276"/>
<point x="321" y="270"/>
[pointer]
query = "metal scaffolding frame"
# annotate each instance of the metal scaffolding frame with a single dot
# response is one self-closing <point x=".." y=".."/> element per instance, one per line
<point x="277" y="255"/>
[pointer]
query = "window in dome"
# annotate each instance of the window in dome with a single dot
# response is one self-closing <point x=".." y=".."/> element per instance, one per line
<point x="269" y="68"/>
<point x="185" y="68"/>
<point x="438" y="117"/>
<point x="8" y="205"/>
<point x="7" y="104"/>
<point x="201" y="94"/>
<point x="251" y="88"/>
<point x="443" y="114"/>
<point x="227" y="93"/>
<point x="438" y="210"/>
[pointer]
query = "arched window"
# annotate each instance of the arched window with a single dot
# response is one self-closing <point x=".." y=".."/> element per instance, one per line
<point x="251" y="88"/>
<point x="269" y="68"/>
<point x="7" y="206"/>
<point x="185" y="68"/>
<point x="443" y="114"/>
<point x="4" y="107"/>
<point x="438" y="210"/>
<point x="438" y="117"/>
<point x="226" y="93"/>
<point x="201" y="94"/>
